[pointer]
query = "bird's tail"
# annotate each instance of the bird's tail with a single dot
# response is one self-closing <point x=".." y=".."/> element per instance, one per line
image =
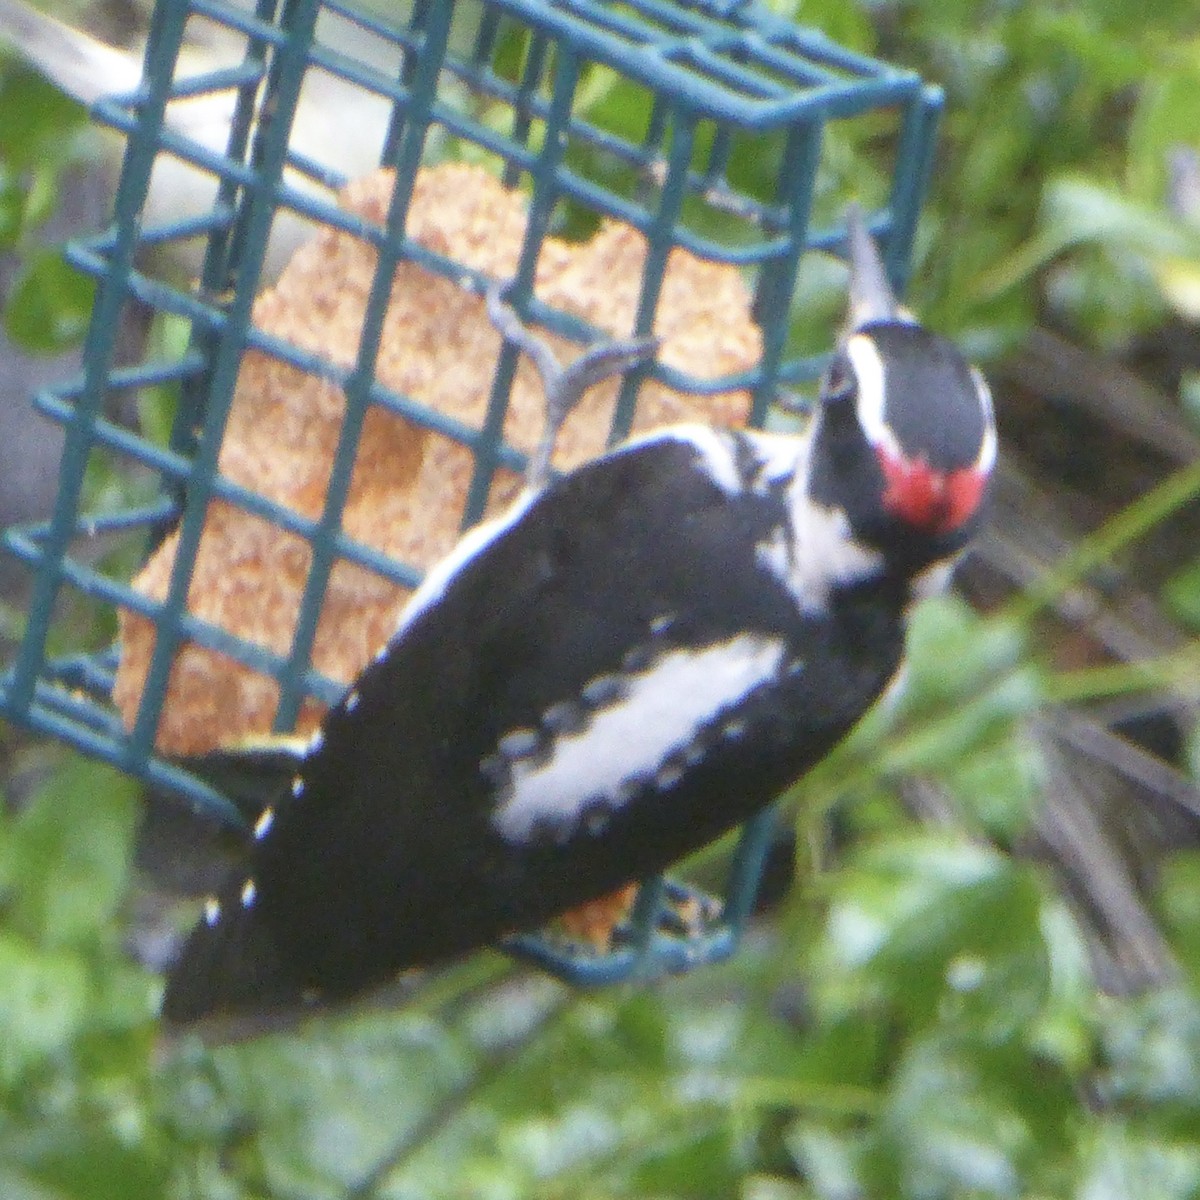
<point x="229" y="968"/>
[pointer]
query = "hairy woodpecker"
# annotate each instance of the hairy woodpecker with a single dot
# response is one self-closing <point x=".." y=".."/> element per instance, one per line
<point x="635" y="658"/>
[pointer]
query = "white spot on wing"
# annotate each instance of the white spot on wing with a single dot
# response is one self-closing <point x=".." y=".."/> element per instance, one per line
<point x="519" y="743"/>
<point x="298" y="786"/>
<point x="775" y="554"/>
<point x="668" y="775"/>
<point x="263" y="824"/>
<point x="659" y="716"/>
<point x="212" y="911"/>
<point x="249" y="892"/>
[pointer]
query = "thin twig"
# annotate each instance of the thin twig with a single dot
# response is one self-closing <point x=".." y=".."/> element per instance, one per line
<point x="491" y="1068"/>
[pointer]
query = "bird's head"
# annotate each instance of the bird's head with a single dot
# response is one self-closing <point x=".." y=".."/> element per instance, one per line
<point x="905" y="438"/>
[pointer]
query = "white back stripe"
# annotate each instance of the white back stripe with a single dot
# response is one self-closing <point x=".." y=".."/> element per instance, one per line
<point x="472" y="543"/>
<point x="780" y="455"/>
<point x="660" y="714"/>
<point x="714" y="450"/>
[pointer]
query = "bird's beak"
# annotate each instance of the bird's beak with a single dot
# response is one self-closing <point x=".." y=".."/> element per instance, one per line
<point x="871" y="296"/>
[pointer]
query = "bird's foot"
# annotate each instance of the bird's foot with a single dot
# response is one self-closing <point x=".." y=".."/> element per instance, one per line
<point x="564" y="386"/>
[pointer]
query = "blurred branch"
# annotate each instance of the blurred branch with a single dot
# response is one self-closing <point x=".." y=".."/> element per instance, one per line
<point x="1048" y="365"/>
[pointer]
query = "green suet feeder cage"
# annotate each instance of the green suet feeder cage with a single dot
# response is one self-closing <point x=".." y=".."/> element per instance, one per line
<point x="744" y="122"/>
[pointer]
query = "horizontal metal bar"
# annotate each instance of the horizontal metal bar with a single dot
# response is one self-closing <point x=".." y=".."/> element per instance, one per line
<point x="92" y="583"/>
<point x="646" y="60"/>
<point x="56" y="714"/>
<point x="241" y="19"/>
<point x="220" y="79"/>
<point x="176" y="467"/>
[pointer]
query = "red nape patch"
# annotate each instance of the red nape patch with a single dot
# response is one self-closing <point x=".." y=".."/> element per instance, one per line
<point x="934" y="501"/>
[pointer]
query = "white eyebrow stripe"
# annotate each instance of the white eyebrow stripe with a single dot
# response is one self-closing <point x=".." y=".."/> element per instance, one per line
<point x="658" y="716"/>
<point x="869" y="373"/>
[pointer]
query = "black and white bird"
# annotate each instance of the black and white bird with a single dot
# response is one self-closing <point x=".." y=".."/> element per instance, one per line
<point x="637" y="657"/>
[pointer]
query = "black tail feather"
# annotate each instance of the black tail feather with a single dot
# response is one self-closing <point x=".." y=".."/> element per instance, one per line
<point x="230" y="967"/>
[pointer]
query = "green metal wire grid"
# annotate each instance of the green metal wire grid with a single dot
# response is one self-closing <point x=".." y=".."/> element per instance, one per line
<point x="741" y="106"/>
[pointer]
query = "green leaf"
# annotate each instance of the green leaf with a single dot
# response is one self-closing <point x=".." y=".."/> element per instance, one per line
<point x="43" y="1005"/>
<point x="937" y="926"/>
<point x="1065" y="1030"/>
<point x="828" y="1158"/>
<point x="1122" y="1164"/>
<point x="966" y="1117"/>
<point x="72" y="849"/>
<point x="78" y="1164"/>
<point x="38" y="122"/>
<point x="12" y="208"/>
<point x="1189" y="396"/>
<point x="999" y="785"/>
<point x="377" y="1077"/>
<point x="1152" y="1059"/>
<point x="1166" y="116"/>
<point x="1182" y="594"/>
<point x="50" y="304"/>
<point x="1179" y="897"/>
<point x="1077" y="210"/>
<point x="953" y="651"/>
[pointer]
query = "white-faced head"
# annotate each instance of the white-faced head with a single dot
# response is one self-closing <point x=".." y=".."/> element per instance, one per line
<point x="905" y="439"/>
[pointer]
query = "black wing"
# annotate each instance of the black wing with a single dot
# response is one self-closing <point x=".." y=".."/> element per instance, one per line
<point x="454" y="795"/>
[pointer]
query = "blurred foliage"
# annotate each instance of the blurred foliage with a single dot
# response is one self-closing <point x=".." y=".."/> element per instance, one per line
<point x="920" y="1020"/>
<point x="43" y="137"/>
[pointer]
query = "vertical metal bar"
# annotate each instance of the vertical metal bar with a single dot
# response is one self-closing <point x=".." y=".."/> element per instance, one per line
<point x="777" y="281"/>
<point x="718" y="157"/>
<point x="910" y="181"/>
<point x="545" y="195"/>
<point x="651" y="149"/>
<point x="659" y="241"/>
<point x="358" y="386"/>
<point x="745" y="872"/>
<point x="283" y="90"/>
<point x="220" y="266"/>
<point x="486" y="36"/>
<point x="410" y="67"/>
<point x="643" y="921"/>
<point x="162" y="49"/>
<point x="531" y="75"/>
<point x="220" y="255"/>
<point x="656" y="126"/>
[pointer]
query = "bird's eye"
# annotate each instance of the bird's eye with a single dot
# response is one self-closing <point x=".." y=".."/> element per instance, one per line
<point x="838" y="383"/>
